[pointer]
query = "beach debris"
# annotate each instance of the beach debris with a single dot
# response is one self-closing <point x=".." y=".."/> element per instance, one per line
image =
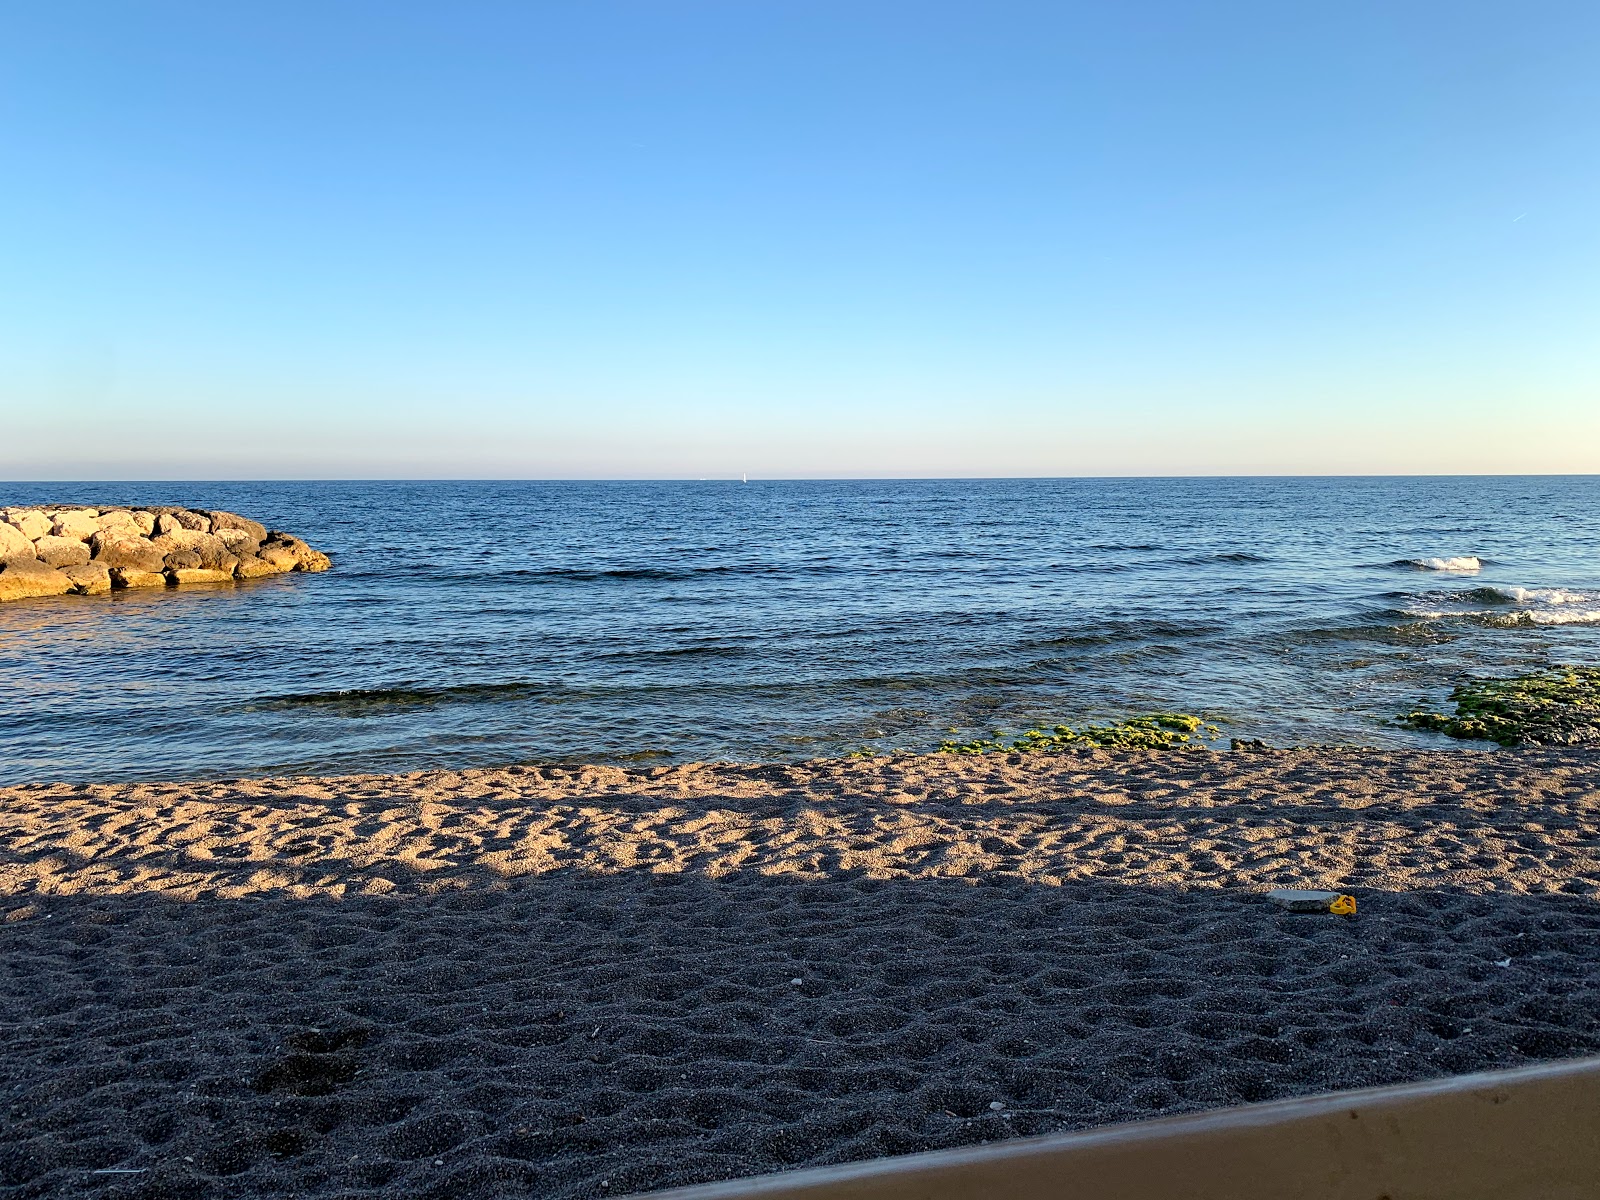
<point x="1157" y="731"/>
<point x="119" y="1171"/>
<point x="1308" y="900"/>
<point x="1503" y="963"/>
<point x="996" y="1105"/>
<point x="797" y="981"/>
<point x="1557" y="707"/>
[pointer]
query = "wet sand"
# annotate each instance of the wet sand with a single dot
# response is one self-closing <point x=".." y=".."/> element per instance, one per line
<point x="590" y="981"/>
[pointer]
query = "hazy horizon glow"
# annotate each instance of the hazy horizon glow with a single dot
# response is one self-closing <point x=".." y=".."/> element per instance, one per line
<point x="796" y="240"/>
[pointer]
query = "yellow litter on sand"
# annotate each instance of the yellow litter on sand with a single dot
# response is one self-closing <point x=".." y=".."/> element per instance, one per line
<point x="1345" y="906"/>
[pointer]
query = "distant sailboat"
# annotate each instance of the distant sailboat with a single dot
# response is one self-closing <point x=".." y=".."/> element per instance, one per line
<point x="745" y="478"/>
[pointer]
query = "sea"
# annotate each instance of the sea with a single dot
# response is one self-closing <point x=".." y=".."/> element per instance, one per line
<point x="493" y="622"/>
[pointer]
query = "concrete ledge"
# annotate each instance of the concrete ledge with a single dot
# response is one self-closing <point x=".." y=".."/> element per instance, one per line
<point x="1528" y="1134"/>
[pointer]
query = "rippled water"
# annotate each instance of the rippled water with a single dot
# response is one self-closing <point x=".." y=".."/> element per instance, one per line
<point x="493" y="622"/>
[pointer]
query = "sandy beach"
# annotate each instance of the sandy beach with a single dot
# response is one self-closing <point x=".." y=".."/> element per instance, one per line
<point x="590" y="981"/>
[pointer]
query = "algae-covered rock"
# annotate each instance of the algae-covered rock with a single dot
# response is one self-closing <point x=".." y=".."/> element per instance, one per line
<point x="1557" y="707"/>
<point x="1156" y="731"/>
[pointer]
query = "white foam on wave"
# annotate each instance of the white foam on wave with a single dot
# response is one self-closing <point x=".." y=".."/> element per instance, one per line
<point x="1463" y="563"/>
<point x="1517" y="595"/>
<point x="1534" y="606"/>
<point x="1567" y="616"/>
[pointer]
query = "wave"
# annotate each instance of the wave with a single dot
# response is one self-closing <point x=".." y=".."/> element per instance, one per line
<point x="596" y="575"/>
<point x="402" y="696"/>
<point x="1523" y="618"/>
<point x="1517" y="595"/>
<point x="1461" y="563"/>
<point x="1511" y="607"/>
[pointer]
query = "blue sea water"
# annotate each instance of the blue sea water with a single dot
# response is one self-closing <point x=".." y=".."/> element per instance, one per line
<point x="477" y="623"/>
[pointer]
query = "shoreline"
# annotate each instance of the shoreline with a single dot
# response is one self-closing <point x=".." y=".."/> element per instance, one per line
<point x="580" y="980"/>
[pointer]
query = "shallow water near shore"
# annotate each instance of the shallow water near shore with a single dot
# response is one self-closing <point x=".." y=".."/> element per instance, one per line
<point x="475" y="623"/>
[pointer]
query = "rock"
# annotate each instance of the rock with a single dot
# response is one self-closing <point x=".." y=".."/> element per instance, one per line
<point x="119" y="520"/>
<point x="251" y="567"/>
<point x="283" y="547"/>
<point x="132" y="553"/>
<point x="238" y="541"/>
<point x="278" y="556"/>
<point x="183" y="575"/>
<point x="88" y="549"/>
<point x="16" y="546"/>
<point x="211" y="549"/>
<point x="32" y="522"/>
<point x="89" y="579"/>
<point x="221" y="521"/>
<point x="1302" y="899"/>
<point x="181" y="519"/>
<point x="61" y="551"/>
<point x="23" y="579"/>
<point x="80" y="523"/>
<point x="133" y="577"/>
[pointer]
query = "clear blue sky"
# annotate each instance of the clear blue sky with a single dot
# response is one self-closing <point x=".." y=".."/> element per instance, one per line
<point x="683" y="239"/>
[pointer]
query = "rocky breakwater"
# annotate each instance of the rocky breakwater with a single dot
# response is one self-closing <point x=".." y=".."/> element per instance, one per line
<point x="54" y="550"/>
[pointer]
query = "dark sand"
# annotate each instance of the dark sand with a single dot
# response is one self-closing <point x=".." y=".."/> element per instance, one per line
<point x="565" y="982"/>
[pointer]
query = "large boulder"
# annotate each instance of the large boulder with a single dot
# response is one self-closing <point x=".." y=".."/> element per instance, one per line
<point x="182" y="560"/>
<point x="61" y="551"/>
<point x="285" y="548"/>
<point x="32" y="522"/>
<point x="186" y="575"/>
<point x="146" y="521"/>
<point x="22" y="579"/>
<point x="80" y="523"/>
<point x="119" y="521"/>
<point x="15" y="546"/>
<point x="89" y="579"/>
<point x="133" y="553"/>
<point x="182" y="518"/>
<point x="239" y="541"/>
<point x="221" y="522"/>
<point x="211" y="549"/>
<point x="133" y="577"/>
<point x="251" y="567"/>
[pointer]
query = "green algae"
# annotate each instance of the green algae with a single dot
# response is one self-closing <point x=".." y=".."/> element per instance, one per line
<point x="1555" y="707"/>
<point x="1156" y="731"/>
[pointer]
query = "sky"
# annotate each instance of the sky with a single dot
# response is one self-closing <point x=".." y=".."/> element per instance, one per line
<point x="797" y="239"/>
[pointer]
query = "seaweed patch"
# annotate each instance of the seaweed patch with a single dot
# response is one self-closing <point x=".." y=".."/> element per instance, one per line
<point x="1157" y="731"/>
<point x="1555" y="707"/>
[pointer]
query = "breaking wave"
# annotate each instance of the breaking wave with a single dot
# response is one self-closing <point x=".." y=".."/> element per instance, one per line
<point x="1462" y="563"/>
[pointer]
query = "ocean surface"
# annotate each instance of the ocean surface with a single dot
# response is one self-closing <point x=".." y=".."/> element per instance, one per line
<point x="481" y="623"/>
